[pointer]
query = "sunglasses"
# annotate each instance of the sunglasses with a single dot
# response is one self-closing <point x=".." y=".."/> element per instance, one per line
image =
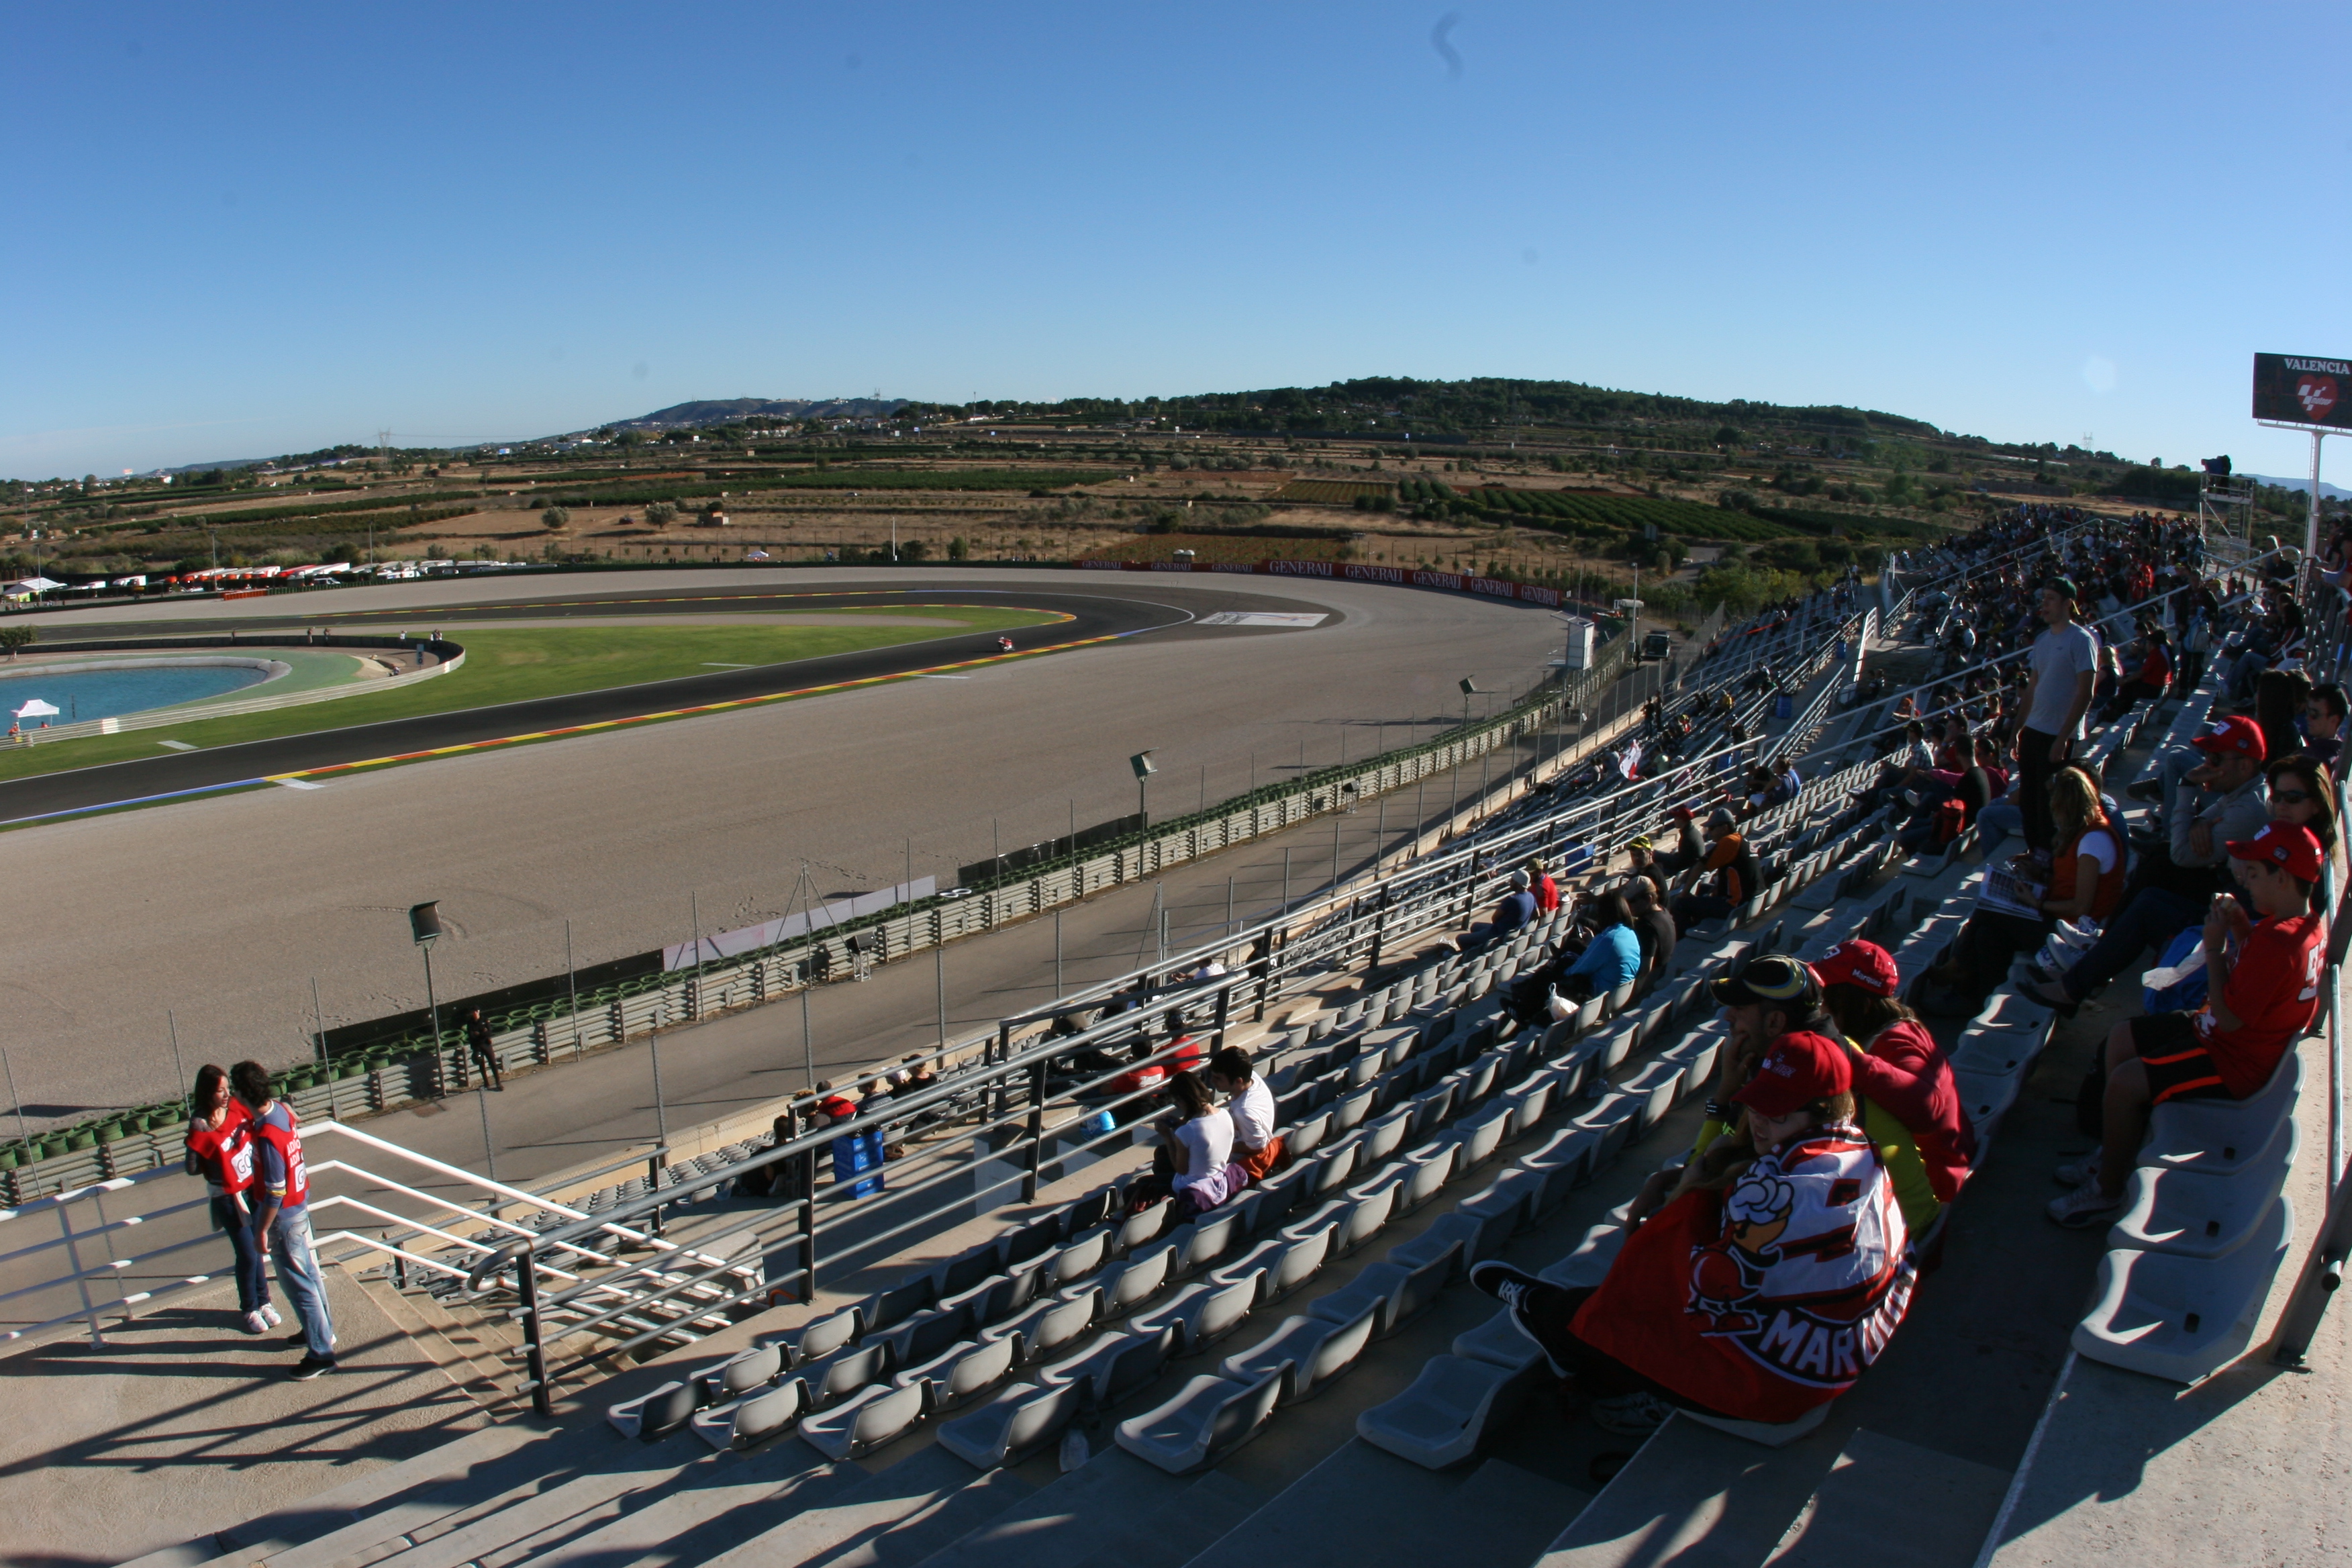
<point x="2289" y="797"/>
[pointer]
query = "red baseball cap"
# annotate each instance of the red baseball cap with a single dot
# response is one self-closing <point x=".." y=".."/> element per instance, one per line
<point x="2240" y="736"/>
<point x="2293" y="849"/>
<point x="1682" y="814"/>
<point x="1859" y="963"/>
<point x="1800" y="1068"/>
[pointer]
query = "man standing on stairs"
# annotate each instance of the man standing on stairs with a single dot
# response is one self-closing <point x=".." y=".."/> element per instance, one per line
<point x="282" y="1217"/>
<point x="2065" y="660"/>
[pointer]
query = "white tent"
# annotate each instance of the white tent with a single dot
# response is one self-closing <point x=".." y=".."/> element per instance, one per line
<point x="36" y="709"/>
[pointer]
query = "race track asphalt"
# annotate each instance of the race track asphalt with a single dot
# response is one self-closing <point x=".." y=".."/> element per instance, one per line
<point x="1094" y="617"/>
<point x="213" y="915"/>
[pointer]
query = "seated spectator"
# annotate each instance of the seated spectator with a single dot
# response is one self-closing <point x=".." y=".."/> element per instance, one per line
<point x="1614" y="956"/>
<point x="1258" y="1145"/>
<point x="2302" y="795"/>
<point x="1654" y="927"/>
<point x="1199" y="1146"/>
<point x="1688" y="850"/>
<point x="2322" y="722"/>
<point x="2151" y="675"/>
<point x="1910" y="1106"/>
<point x="2177" y="879"/>
<point x="2263" y="982"/>
<point x="1517" y="908"/>
<point x="1725" y="880"/>
<point x="1540" y="883"/>
<point x="2086" y="883"/>
<point x="1757" y="1296"/>
<point x="1643" y="855"/>
<point x="780" y="1180"/>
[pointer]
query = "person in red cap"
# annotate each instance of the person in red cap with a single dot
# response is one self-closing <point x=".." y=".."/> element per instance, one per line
<point x="1757" y="1296"/>
<point x="1688" y="847"/>
<point x="2175" y="879"/>
<point x="1910" y="1105"/>
<point x="2262" y="978"/>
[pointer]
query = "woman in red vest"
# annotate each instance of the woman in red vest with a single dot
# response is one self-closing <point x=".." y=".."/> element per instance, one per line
<point x="220" y="1150"/>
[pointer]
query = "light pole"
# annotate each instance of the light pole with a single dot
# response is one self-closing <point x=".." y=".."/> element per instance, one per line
<point x="1142" y="764"/>
<point x="425" y="928"/>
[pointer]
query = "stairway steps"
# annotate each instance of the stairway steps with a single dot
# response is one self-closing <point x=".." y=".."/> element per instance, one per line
<point x="467" y="1358"/>
<point x="1363" y="1508"/>
<point x="734" y="1497"/>
<point x="896" y="1517"/>
<point x="1192" y="1522"/>
<point x="1060" y="1524"/>
<point x="1894" y="1505"/>
<point x="425" y="1512"/>
<point x="508" y="1529"/>
<point x="1695" y="1498"/>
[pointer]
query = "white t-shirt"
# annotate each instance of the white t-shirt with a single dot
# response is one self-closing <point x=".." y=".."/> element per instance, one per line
<point x="1253" y="1114"/>
<point x="2100" y="844"/>
<point x="2059" y="657"/>
<point x="1208" y="1146"/>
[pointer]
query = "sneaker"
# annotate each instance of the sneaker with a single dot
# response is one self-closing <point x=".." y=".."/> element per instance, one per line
<point x="269" y="1315"/>
<point x="301" y="1337"/>
<point x="1520" y="1294"/>
<point x="310" y="1366"/>
<point x="1630" y="1415"/>
<point x="255" y="1323"/>
<point x="2083" y="1207"/>
<point x="2076" y="1173"/>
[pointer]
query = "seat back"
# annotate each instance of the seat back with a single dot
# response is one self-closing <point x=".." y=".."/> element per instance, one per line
<point x="1146" y="1227"/>
<point x="763" y="1415"/>
<point x="828" y="1335"/>
<point x="1384" y="1138"/>
<point x="1065" y="1321"/>
<point x="1143" y="1276"/>
<point x="1080" y="1258"/>
<point x="889" y="1309"/>
<point x="753" y="1369"/>
<point x="1239" y="1418"/>
<point x="1336" y="1353"/>
<point x="959" y="1275"/>
<point x="1208" y="1239"/>
<point x="1033" y="1240"/>
<point x="1337" y="1166"/>
<point x="1298" y="1262"/>
<point x="1039" y="1419"/>
<point x="666" y="1409"/>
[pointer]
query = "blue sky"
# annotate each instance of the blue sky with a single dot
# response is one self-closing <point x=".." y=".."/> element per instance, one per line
<point x="244" y="230"/>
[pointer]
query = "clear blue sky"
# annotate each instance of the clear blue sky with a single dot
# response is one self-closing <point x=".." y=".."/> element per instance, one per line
<point x="237" y="231"/>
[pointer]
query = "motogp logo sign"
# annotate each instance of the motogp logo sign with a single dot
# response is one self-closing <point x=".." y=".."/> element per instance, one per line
<point x="2317" y="394"/>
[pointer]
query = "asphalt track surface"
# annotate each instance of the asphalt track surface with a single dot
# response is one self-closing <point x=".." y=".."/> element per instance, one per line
<point x="1093" y="618"/>
<point x="214" y="914"/>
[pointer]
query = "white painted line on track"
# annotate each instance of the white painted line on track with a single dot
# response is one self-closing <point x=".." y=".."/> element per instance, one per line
<point x="298" y="783"/>
<point x="709" y="665"/>
<point x="923" y="676"/>
<point x="176" y="745"/>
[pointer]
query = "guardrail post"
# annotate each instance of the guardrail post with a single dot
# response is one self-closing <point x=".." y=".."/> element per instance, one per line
<point x="542" y="1399"/>
<point x="807" y="1161"/>
<point x="656" y="1163"/>
<point x="1037" y="1129"/>
<point x="1379" y="934"/>
<point x="1224" y="1011"/>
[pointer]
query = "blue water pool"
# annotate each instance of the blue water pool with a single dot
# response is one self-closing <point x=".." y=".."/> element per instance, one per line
<point x="105" y="693"/>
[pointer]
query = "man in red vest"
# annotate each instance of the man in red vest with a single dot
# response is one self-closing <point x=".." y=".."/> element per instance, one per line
<point x="282" y="1217"/>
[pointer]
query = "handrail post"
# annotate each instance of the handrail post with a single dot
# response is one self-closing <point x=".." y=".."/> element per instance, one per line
<point x="1036" y="1130"/>
<point x="543" y="1398"/>
<point x="81" y="1282"/>
<point x="657" y="1165"/>
<point x="1379" y="935"/>
<point x="807" y="1163"/>
<point x="1225" y="1012"/>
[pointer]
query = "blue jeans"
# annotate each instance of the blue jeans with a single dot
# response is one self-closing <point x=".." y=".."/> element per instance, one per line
<point x="305" y="1285"/>
<point x="1996" y="822"/>
<point x="252" y="1274"/>
<point x="2152" y="918"/>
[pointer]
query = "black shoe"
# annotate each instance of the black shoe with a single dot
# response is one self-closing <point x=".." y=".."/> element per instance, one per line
<point x="310" y="1366"/>
<point x="296" y="1340"/>
<point x="1524" y="1298"/>
<point x="2146" y="789"/>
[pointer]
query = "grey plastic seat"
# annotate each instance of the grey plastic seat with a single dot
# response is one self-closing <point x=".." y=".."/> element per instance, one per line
<point x="2193" y="1215"/>
<point x="1430" y="1110"/>
<point x="1142" y="1229"/>
<point x="994" y="1300"/>
<point x="1430" y="1170"/>
<point x="655" y="1415"/>
<point x="844" y="1372"/>
<point x="1654" y="1090"/>
<point x="1350" y="1112"/>
<point x="826" y="1335"/>
<point x="1208" y="1419"/>
<point x="1113" y="1369"/>
<point x="1480" y="1136"/>
<point x="1200" y="1245"/>
<point x="1050" y="1325"/>
<point x="858" y="1426"/>
<point x="1440" y="1421"/>
<point x="975" y="1267"/>
<point x="742" y="1374"/>
<point x="1308" y="1134"/>
<point x="962" y="1372"/>
<point x="925" y="1334"/>
<point x="1141" y="1277"/>
<point x="1529" y="1102"/>
<point x="1475" y="1233"/>
<point x="1203" y="1312"/>
<point x="1397" y="1292"/>
<point x="1081" y="1257"/>
<point x="1311" y="1352"/>
<point x="1498" y="1342"/>
<point x="2220" y="1137"/>
<point x="889" y="1309"/>
<point x="1571" y="1149"/>
<point x="1384" y="1136"/>
<point x="1588" y="1264"/>
<point x="1010" y="1427"/>
<point x="1336" y="1169"/>
<point x="1033" y="1241"/>
<point x="2184" y="1318"/>
<point x="1615" y="1117"/>
<point x="1282" y="1263"/>
<point x="748" y="1421"/>
<point x="1369" y="1208"/>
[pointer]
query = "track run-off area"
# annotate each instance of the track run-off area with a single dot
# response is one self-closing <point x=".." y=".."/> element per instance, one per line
<point x="647" y="812"/>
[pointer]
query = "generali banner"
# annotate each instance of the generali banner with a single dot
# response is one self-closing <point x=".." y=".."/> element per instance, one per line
<point x="1350" y="572"/>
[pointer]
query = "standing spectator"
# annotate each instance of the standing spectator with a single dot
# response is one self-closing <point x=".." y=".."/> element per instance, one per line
<point x="1725" y="880"/>
<point x="2065" y="660"/>
<point x="485" y="1055"/>
<point x="220" y="1150"/>
<point x="2261" y="989"/>
<point x="281" y="1216"/>
<point x="1249" y="1100"/>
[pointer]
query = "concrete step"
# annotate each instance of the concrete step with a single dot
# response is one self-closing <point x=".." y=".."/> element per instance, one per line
<point x="1062" y="1524"/>
<point x="714" y="1508"/>
<point x="468" y="1354"/>
<point x="1363" y="1507"/>
<point x="1695" y="1498"/>
<point x="546" y="1511"/>
<point x="1894" y="1505"/>
<point x="1192" y="1522"/>
<point x="893" y="1519"/>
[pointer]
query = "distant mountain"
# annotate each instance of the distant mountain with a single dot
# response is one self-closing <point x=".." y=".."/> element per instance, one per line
<point x="2326" y="490"/>
<point x="726" y="411"/>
